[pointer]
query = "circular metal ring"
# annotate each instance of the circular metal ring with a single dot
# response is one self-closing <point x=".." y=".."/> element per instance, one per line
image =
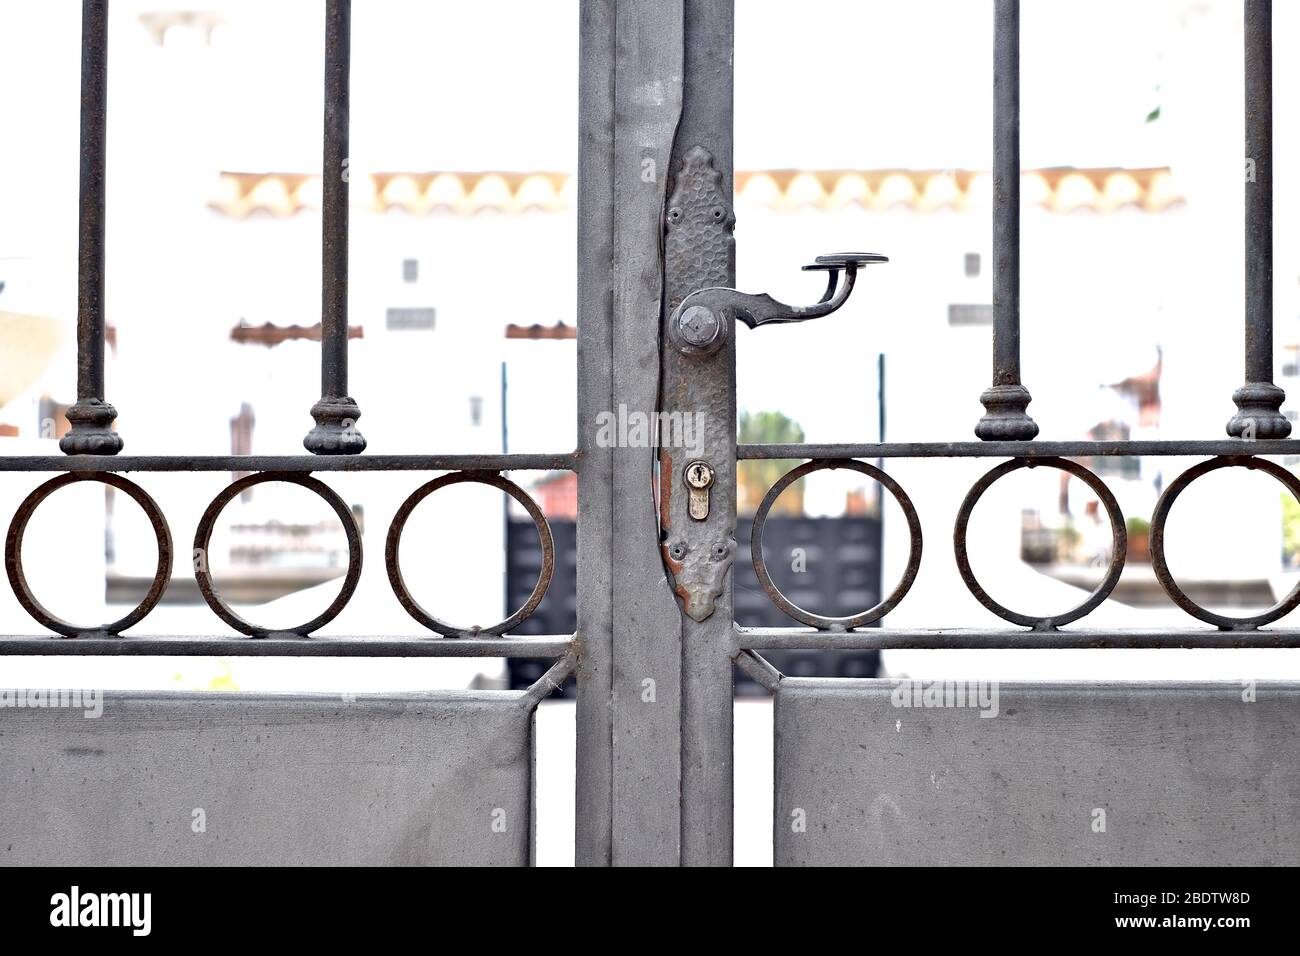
<point x="1161" y="567"/>
<point x="395" y="539"/>
<point x="1118" y="534"/>
<point x="14" y="547"/>
<point x="203" y="538"/>
<point x="821" y="621"/>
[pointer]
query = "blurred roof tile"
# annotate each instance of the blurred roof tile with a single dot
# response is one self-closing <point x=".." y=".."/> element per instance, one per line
<point x="1063" y="190"/>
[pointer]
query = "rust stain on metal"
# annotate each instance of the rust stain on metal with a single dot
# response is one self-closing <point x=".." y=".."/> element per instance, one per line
<point x="14" y="553"/>
<point x="666" y="491"/>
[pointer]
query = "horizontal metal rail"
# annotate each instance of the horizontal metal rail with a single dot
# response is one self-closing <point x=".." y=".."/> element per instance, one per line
<point x="1022" y="449"/>
<point x="951" y="639"/>
<point x="566" y="461"/>
<point x="569" y="461"/>
<point x="284" y="645"/>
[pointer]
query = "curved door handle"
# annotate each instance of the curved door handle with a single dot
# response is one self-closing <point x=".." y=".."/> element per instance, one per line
<point x="701" y="323"/>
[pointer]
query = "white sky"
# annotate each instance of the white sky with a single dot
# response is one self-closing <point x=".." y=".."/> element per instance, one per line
<point x="820" y="83"/>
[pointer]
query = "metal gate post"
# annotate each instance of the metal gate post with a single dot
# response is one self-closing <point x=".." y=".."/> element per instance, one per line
<point x="654" y="724"/>
<point x="594" y="807"/>
<point x="647" y="634"/>
<point x="630" y="676"/>
<point x="697" y="429"/>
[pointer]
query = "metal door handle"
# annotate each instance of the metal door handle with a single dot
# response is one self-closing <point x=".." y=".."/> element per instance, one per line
<point x="701" y="323"/>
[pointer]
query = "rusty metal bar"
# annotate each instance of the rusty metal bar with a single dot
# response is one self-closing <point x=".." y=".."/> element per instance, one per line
<point x="90" y="416"/>
<point x="1006" y="399"/>
<point x="1016" y="449"/>
<point x="569" y="461"/>
<point x="284" y="645"/>
<point x="337" y="412"/>
<point x="1259" y="401"/>
<point x="951" y="639"/>
<point x="252" y="463"/>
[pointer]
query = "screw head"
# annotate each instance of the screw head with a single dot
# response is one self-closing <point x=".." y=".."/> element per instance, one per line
<point x="698" y="326"/>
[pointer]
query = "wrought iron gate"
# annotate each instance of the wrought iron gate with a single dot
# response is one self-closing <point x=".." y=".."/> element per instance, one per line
<point x="1192" y="770"/>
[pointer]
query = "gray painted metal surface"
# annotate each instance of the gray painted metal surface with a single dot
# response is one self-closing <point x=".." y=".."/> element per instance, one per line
<point x="411" y="779"/>
<point x="1186" y="773"/>
<point x="886" y="638"/>
<point x="595" y="346"/>
<point x="646" y="643"/>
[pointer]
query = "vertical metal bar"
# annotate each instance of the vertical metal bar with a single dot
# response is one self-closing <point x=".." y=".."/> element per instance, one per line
<point x="595" y="261"/>
<point x="1005" y="401"/>
<point x="90" y="416"/>
<point x="1259" y="401"/>
<point x="505" y="499"/>
<point x="647" y="630"/>
<point x="336" y="413"/>
<point x="880" y="398"/>
<point x="703" y="389"/>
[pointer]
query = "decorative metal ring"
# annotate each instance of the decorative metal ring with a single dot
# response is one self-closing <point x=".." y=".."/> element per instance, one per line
<point x="395" y="539"/>
<point x="1118" y="534"/>
<point x="203" y="538"/>
<point x="1161" y="567"/>
<point x="14" y="548"/>
<point x="821" y="621"/>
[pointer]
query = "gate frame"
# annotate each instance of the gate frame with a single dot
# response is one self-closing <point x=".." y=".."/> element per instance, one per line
<point x="654" y="721"/>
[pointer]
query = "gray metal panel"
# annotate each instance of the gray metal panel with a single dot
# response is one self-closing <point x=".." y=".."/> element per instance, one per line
<point x="1186" y="774"/>
<point x="409" y="779"/>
